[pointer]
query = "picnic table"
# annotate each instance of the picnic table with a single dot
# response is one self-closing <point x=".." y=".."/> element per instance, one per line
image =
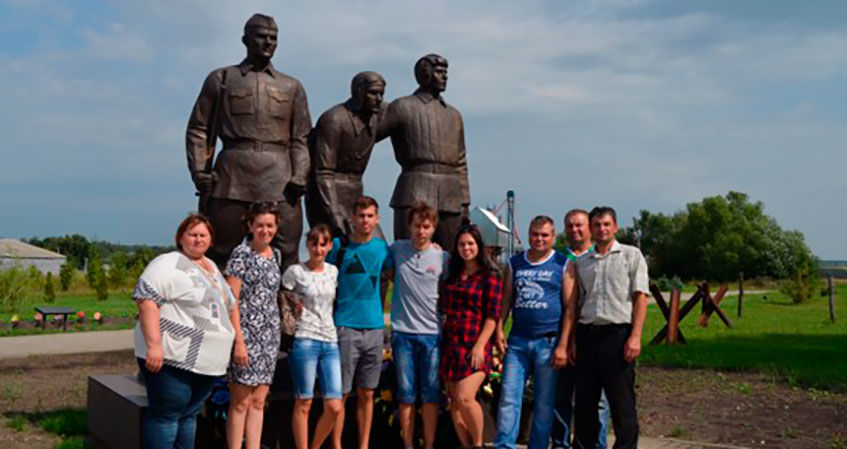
<point x="46" y="311"/>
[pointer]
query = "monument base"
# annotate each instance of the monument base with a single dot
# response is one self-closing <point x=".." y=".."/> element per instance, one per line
<point x="116" y="407"/>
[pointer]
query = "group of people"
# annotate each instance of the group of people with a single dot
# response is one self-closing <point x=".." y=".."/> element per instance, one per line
<point x="572" y="320"/>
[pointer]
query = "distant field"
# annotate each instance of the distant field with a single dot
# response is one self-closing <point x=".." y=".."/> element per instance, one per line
<point x="117" y="309"/>
<point x="794" y="342"/>
<point x="834" y="268"/>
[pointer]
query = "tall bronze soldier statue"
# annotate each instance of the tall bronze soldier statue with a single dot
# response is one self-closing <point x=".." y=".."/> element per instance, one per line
<point x="262" y="118"/>
<point x="341" y="146"/>
<point x="429" y="144"/>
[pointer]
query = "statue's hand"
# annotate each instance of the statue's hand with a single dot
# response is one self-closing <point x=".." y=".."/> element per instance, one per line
<point x="293" y="192"/>
<point x="204" y="181"/>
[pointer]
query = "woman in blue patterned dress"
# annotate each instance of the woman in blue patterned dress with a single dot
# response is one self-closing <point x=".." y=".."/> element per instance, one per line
<point x="252" y="272"/>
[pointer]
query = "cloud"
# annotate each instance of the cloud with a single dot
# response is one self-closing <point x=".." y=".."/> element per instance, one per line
<point x="671" y="102"/>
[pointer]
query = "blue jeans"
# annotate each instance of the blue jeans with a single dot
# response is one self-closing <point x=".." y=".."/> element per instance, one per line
<point x="309" y="357"/>
<point x="174" y="397"/>
<point x="526" y="356"/>
<point x="561" y="434"/>
<point x="416" y="359"/>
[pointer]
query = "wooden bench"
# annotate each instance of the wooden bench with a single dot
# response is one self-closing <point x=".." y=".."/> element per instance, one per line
<point x="46" y="311"/>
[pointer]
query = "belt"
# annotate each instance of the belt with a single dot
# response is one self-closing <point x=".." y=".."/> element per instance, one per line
<point x="549" y="334"/>
<point x="431" y="167"/>
<point x="601" y="328"/>
<point x="252" y="145"/>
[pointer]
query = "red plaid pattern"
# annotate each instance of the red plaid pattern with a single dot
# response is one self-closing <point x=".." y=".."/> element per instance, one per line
<point x="466" y="305"/>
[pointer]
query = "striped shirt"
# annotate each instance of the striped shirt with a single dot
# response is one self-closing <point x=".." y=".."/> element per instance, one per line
<point x="194" y="308"/>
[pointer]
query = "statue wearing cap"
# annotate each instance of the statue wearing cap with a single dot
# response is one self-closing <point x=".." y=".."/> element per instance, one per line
<point x="261" y="116"/>
<point x="429" y="144"/>
<point x="341" y="146"/>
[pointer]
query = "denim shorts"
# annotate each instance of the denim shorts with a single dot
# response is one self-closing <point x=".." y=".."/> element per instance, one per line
<point x="416" y="358"/>
<point x="309" y="357"/>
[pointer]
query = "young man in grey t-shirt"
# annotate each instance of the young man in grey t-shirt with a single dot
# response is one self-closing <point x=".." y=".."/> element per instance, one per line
<point x="418" y="265"/>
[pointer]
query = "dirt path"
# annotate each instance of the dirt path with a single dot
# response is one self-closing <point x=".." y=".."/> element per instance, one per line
<point x="678" y="404"/>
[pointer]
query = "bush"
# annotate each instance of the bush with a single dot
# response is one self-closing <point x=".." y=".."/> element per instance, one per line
<point x="94" y="268"/>
<point x="34" y="278"/>
<point x="13" y="284"/>
<point x="802" y="285"/>
<point x="101" y="286"/>
<point x="117" y="270"/>
<point x="66" y="275"/>
<point x="49" y="291"/>
<point x="666" y="284"/>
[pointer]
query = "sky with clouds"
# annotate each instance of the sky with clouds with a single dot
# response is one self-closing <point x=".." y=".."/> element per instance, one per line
<point x="637" y="104"/>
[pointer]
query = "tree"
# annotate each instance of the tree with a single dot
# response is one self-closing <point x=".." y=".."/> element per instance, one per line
<point x="118" y="270"/>
<point x="34" y="278"/>
<point x="75" y="247"/>
<point x="12" y="287"/>
<point x="101" y="286"/>
<point x="717" y="238"/>
<point x="139" y="260"/>
<point x="49" y="291"/>
<point x="95" y="267"/>
<point x="66" y="275"/>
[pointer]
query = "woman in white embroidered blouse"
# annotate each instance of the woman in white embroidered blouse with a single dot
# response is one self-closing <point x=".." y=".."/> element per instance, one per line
<point x="184" y="335"/>
<point x="315" y="348"/>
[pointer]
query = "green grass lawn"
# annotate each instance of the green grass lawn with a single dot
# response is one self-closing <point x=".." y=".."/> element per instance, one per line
<point x="794" y="342"/>
<point x="117" y="305"/>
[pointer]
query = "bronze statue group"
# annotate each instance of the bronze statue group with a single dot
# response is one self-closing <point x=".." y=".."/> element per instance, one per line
<point x="570" y="321"/>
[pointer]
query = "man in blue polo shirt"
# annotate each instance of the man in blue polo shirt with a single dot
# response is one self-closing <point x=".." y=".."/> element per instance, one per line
<point x="358" y="316"/>
<point x="533" y="290"/>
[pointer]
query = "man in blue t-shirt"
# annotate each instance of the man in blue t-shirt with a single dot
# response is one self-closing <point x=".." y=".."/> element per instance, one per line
<point x="533" y="291"/>
<point x="362" y="262"/>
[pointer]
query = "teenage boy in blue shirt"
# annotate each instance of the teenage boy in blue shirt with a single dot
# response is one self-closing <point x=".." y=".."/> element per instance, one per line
<point x="362" y="263"/>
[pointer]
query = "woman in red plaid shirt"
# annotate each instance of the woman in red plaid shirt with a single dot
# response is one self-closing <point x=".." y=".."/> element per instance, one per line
<point x="470" y="300"/>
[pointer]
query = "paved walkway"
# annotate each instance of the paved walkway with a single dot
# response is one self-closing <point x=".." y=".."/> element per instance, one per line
<point x="65" y="343"/>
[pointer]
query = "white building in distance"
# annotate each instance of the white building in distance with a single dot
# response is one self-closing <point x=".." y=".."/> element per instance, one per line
<point x="15" y="252"/>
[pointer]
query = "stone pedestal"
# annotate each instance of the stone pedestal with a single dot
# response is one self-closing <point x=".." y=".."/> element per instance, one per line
<point x="116" y="407"/>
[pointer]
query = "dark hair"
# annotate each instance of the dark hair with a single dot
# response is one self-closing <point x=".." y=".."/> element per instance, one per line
<point x="540" y="220"/>
<point x="189" y="222"/>
<point x="261" y="208"/>
<point x="456" y="263"/>
<point x="317" y="232"/>
<point x="425" y="66"/>
<point x="600" y="211"/>
<point x="256" y="209"/>
<point x="364" y="202"/>
<point x="573" y="212"/>
<point x="424" y="211"/>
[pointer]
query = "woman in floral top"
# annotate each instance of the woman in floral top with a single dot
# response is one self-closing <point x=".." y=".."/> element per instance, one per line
<point x="252" y="272"/>
<point x="470" y="300"/>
